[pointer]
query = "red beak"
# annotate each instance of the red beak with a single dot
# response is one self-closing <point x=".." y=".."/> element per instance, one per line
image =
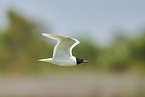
<point x="85" y="61"/>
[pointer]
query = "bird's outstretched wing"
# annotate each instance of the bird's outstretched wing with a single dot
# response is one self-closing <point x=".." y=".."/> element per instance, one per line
<point x="64" y="46"/>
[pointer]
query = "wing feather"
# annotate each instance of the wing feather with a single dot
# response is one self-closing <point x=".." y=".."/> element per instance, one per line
<point x="64" y="46"/>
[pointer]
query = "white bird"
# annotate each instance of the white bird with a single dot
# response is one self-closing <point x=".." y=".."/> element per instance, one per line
<point x="62" y="53"/>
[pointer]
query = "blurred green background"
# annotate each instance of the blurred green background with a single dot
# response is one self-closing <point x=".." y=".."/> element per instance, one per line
<point x="114" y="70"/>
<point x="22" y="45"/>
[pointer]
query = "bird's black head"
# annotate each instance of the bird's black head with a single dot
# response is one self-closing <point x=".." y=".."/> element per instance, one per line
<point x="79" y="60"/>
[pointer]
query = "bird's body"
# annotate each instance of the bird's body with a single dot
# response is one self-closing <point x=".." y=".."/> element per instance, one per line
<point x="62" y="54"/>
<point x="62" y="61"/>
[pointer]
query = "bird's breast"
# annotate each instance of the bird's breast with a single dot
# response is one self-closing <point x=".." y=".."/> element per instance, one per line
<point x="71" y="61"/>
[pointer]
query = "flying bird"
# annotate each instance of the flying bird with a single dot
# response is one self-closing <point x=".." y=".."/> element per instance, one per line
<point x="62" y="53"/>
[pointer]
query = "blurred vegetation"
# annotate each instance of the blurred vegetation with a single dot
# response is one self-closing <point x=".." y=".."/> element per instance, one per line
<point x="22" y="44"/>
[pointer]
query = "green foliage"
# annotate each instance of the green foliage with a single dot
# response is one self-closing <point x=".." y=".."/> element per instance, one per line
<point x="22" y="45"/>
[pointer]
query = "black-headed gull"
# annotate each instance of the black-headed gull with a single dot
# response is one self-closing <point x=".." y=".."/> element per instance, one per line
<point x="62" y="53"/>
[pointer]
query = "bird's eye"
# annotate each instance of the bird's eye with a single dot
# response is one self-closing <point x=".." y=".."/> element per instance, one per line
<point x="81" y="60"/>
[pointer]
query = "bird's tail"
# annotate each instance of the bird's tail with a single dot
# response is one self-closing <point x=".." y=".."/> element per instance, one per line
<point x="45" y="60"/>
